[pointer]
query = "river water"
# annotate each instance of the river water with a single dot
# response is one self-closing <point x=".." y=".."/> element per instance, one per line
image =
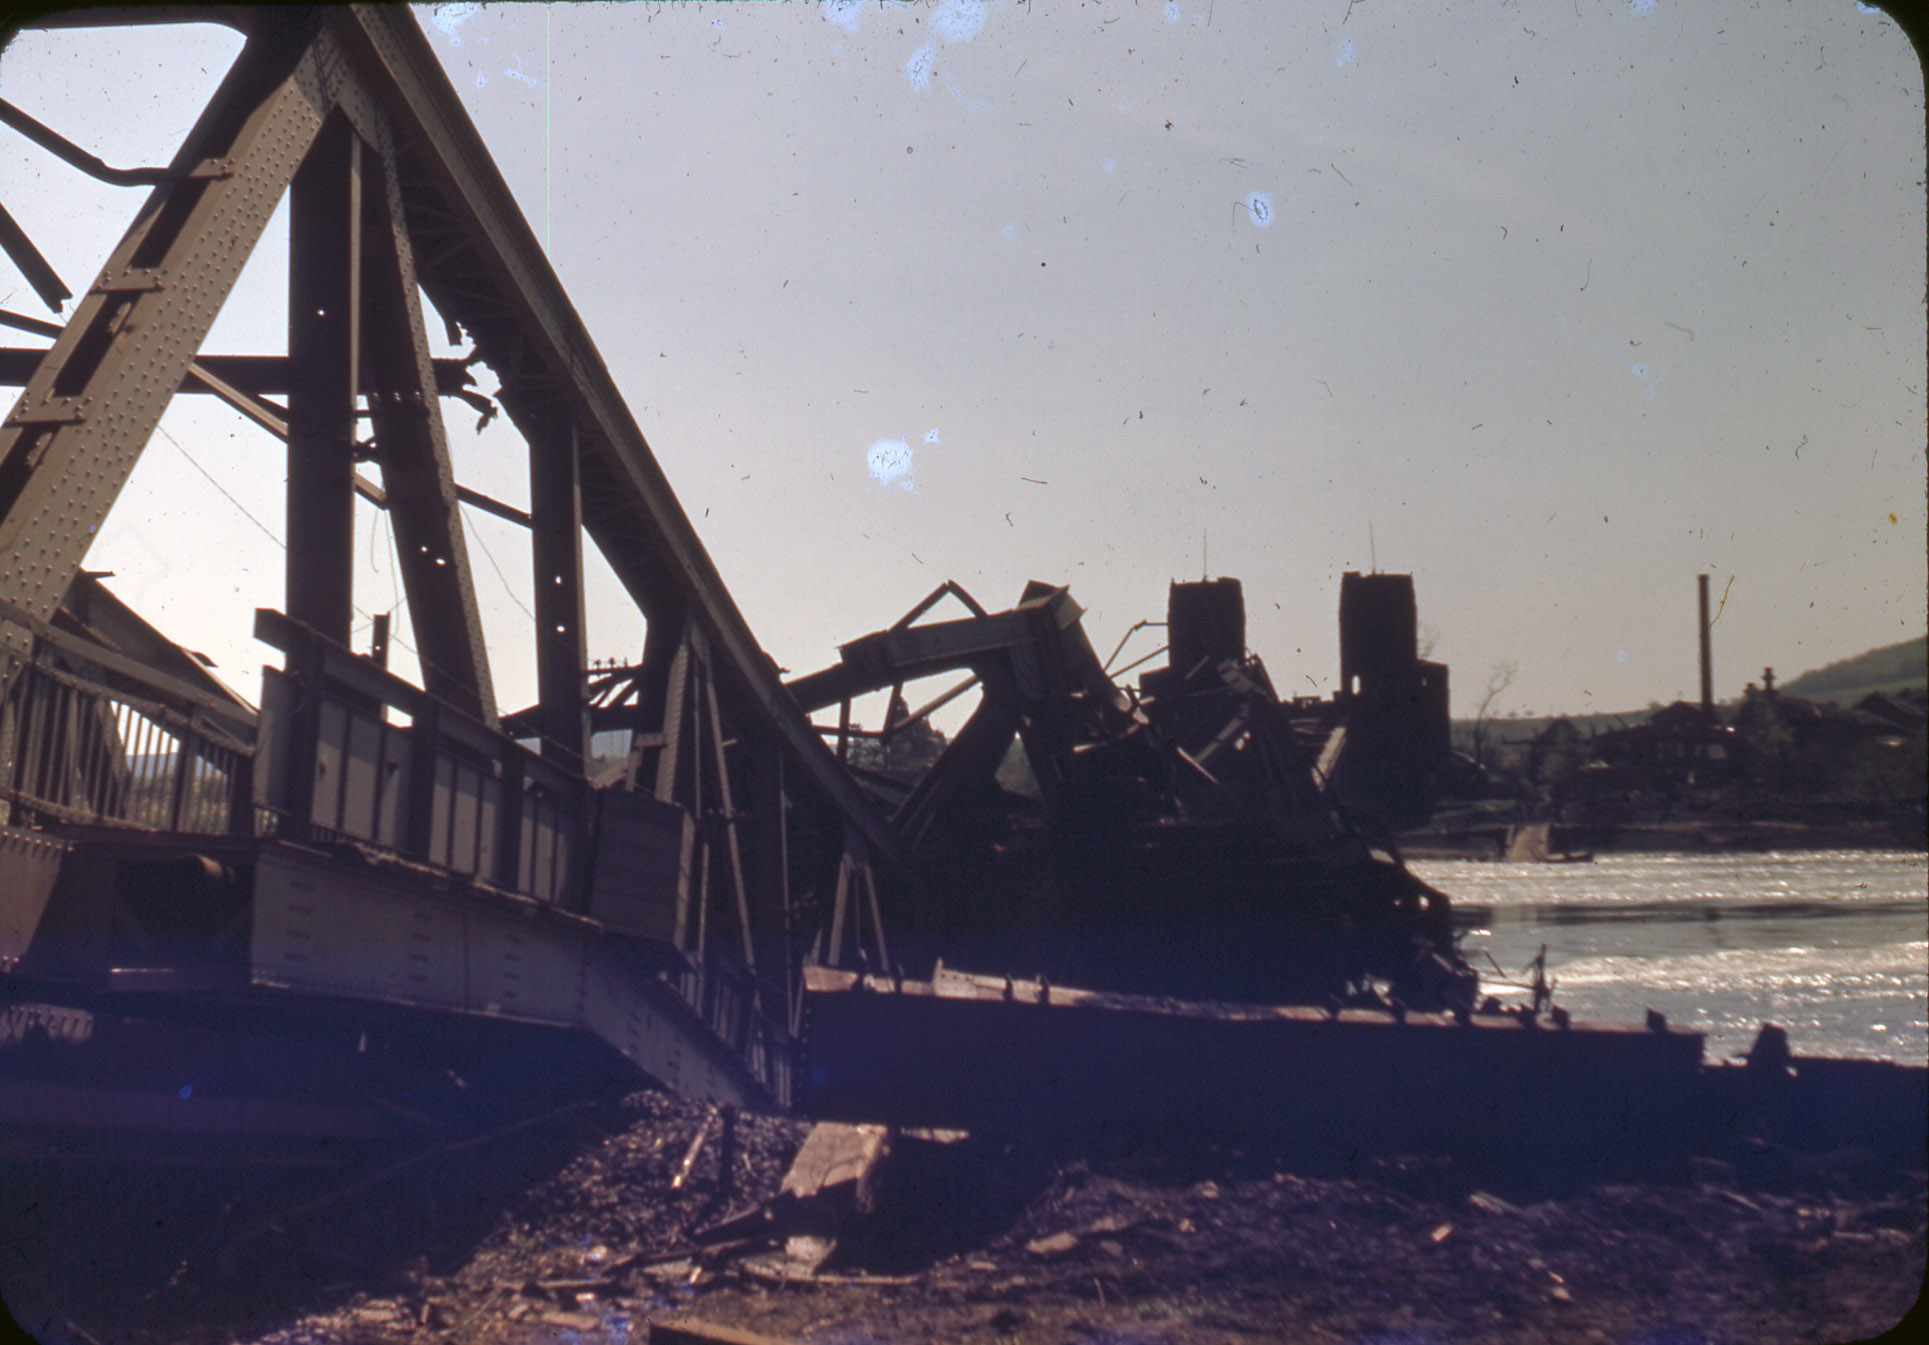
<point x="1833" y="946"/>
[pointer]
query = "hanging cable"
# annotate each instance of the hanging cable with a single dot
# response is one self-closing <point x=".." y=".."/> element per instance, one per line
<point x="477" y="537"/>
<point x="223" y="489"/>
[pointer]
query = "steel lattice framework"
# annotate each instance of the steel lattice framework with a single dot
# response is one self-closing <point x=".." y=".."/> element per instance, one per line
<point x="346" y="113"/>
<point x="349" y="110"/>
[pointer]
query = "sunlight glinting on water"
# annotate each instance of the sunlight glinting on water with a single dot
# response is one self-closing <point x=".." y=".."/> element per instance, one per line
<point x="1832" y="946"/>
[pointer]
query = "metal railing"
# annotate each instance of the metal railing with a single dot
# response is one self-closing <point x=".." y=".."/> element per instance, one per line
<point x="442" y="789"/>
<point x="89" y="737"/>
<point x="446" y="790"/>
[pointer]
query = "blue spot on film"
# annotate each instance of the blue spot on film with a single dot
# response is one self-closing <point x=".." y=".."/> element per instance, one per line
<point x="450" y="18"/>
<point x="890" y="462"/>
<point x="959" y="20"/>
<point x="918" y="69"/>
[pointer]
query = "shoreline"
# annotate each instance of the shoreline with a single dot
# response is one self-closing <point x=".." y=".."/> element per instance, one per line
<point x="1490" y="844"/>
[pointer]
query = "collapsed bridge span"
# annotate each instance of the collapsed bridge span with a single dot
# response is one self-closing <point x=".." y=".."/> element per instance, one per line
<point x="273" y="923"/>
<point x="359" y="839"/>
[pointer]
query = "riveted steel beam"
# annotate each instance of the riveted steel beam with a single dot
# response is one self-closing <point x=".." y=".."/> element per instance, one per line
<point x="414" y="450"/>
<point x="556" y="544"/>
<point x="500" y="287"/>
<point x="72" y="438"/>
<point x="123" y="351"/>
<point x="255" y="375"/>
<point x="324" y="355"/>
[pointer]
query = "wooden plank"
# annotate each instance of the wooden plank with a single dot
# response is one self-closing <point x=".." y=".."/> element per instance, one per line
<point x="838" y="1165"/>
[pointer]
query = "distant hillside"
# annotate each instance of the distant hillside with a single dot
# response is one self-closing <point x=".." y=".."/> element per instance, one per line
<point x="1890" y="668"/>
<point x="1887" y="669"/>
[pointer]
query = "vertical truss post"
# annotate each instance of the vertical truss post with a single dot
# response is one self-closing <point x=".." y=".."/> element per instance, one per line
<point x="556" y="543"/>
<point x="378" y="641"/>
<point x="303" y="734"/>
<point x="793" y="980"/>
<point x="414" y="450"/>
<point x="767" y="860"/>
<point x="733" y="852"/>
<point x="672" y="760"/>
<point x="703" y="905"/>
<point x="185" y="750"/>
<point x="857" y="893"/>
<point x="661" y="640"/>
<point x="509" y="823"/>
<point x="870" y="891"/>
<point x="839" y="904"/>
<point x="241" y="797"/>
<point x="425" y="748"/>
<point x="324" y="358"/>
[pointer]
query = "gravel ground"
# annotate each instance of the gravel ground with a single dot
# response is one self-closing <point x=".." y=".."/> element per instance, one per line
<point x="574" y="1232"/>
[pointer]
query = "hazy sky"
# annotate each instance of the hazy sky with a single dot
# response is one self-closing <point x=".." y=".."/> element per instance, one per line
<point x="1553" y="305"/>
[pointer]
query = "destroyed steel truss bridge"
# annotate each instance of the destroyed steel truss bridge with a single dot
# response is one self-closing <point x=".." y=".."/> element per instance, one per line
<point x="182" y="873"/>
<point x="357" y="835"/>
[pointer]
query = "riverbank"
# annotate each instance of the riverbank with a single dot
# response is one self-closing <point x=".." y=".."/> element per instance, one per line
<point x="581" y="1233"/>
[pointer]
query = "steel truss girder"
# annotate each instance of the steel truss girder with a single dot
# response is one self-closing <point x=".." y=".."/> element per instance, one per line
<point x="137" y="330"/>
<point x="97" y="395"/>
<point x="255" y="375"/>
<point x="325" y="358"/>
<point x="394" y="198"/>
<point x="413" y="447"/>
<point x="556" y="548"/>
<point x="501" y="288"/>
<point x="71" y="441"/>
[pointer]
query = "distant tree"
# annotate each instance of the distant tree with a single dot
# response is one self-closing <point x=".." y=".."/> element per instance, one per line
<point x="1498" y="680"/>
<point x="908" y="753"/>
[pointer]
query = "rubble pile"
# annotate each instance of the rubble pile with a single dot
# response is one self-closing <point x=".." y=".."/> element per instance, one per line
<point x="972" y="1242"/>
<point x="633" y="1193"/>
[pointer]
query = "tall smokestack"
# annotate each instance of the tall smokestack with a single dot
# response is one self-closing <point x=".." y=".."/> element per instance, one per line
<point x="1707" y="665"/>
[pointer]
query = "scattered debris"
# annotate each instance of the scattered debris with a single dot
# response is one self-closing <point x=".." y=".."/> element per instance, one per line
<point x="1488" y="1203"/>
<point x="589" y="1237"/>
